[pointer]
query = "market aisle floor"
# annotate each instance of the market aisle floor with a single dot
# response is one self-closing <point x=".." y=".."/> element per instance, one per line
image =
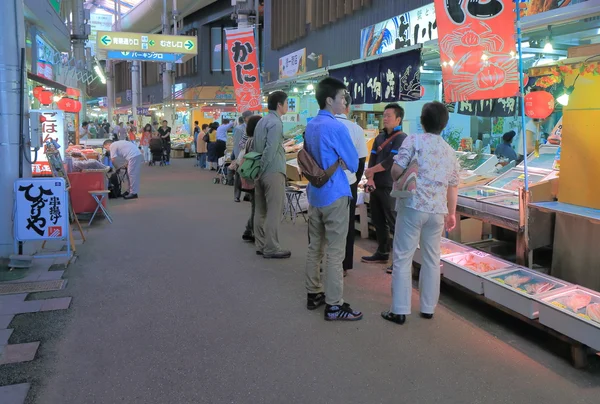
<point x="170" y="306"/>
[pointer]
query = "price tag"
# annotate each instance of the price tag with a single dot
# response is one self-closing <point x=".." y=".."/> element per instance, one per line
<point x="480" y="254"/>
<point x="472" y="156"/>
<point x="559" y="305"/>
<point x="521" y="177"/>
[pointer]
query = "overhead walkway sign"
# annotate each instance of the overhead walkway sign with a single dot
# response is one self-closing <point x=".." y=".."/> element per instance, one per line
<point x="149" y="43"/>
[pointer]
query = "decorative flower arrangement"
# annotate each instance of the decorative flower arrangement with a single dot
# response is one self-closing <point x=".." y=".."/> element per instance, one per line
<point x="558" y="73"/>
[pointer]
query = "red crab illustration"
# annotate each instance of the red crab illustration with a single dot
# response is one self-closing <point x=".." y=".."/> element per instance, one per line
<point x="468" y="38"/>
<point x="495" y="73"/>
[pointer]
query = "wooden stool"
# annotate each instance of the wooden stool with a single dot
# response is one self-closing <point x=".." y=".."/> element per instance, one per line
<point x="99" y="197"/>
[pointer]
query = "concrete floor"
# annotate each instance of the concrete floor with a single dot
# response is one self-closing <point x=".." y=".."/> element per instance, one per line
<point x="170" y="306"/>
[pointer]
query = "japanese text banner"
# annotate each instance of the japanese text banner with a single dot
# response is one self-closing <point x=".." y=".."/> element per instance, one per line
<point x="244" y="68"/>
<point x="477" y="49"/>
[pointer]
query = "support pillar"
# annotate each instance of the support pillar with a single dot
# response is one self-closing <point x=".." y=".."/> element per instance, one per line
<point x="135" y="90"/>
<point x="78" y="40"/>
<point x="110" y="91"/>
<point x="12" y="27"/>
<point x="167" y="72"/>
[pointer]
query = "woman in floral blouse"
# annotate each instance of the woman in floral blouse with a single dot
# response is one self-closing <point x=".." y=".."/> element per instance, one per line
<point x="422" y="216"/>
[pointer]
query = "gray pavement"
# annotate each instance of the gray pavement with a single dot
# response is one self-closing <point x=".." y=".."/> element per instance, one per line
<point x="170" y="306"/>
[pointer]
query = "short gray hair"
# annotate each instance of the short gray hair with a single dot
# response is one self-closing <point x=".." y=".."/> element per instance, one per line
<point x="107" y="141"/>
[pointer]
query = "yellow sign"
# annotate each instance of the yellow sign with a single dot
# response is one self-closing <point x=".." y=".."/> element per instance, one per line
<point x="131" y="41"/>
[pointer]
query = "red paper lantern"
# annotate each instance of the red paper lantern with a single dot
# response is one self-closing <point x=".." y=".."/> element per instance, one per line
<point x="539" y="104"/>
<point x="37" y="91"/>
<point x="69" y="105"/>
<point x="74" y="92"/>
<point x="422" y="91"/>
<point x="45" y="97"/>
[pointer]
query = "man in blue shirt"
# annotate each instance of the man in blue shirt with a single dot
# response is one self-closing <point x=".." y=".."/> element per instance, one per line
<point x="327" y="140"/>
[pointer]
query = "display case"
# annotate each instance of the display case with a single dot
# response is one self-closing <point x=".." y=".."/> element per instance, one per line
<point x="468" y="269"/>
<point x="475" y="164"/>
<point x="471" y="196"/>
<point x="574" y="313"/>
<point x="505" y="205"/>
<point x="447" y="248"/>
<point x="514" y="179"/>
<point x="520" y="289"/>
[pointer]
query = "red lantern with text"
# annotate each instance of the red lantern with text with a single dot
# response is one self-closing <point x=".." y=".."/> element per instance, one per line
<point x="37" y="91"/>
<point x="539" y="104"/>
<point x="73" y="92"/>
<point x="45" y="97"/>
<point x="69" y="105"/>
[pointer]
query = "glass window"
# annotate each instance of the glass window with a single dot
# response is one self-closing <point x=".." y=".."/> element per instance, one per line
<point x="218" y="42"/>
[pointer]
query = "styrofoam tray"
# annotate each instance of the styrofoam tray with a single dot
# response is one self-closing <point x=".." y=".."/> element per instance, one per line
<point x="459" y="268"/>
<point x="516" y="289"/>
<point x="558" y="314"/>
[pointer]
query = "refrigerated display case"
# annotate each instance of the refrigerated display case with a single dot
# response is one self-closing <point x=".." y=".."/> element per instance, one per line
<point x="520" y="289"/>
<point x="469" y="269"/>
<point x="574" y="313"/>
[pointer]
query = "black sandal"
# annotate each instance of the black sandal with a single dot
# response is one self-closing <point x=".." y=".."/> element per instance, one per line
<point x="394" y="318"/>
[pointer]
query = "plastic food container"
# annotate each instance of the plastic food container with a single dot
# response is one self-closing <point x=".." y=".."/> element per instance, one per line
<point x="574" y="313"/>
<point x="469" y="269"/>
<point x="520" y="289"/>
<point x="447" y="247"/>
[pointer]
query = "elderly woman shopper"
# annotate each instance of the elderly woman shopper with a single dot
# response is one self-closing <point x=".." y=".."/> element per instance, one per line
<point x="421" y="217"/>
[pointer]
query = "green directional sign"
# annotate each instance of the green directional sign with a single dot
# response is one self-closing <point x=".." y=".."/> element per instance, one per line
<point x="136" y="42"/>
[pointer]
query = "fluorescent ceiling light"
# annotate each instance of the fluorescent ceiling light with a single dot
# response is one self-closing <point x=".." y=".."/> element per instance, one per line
<point x="548" y="47"/>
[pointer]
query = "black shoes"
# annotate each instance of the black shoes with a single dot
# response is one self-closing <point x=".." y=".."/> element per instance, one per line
<point x="124" y="194"/>
<point x="341" y="313"/>
<point x="258" y="252"/>
<point x="390" y="269"/>
<point x="278" y="255"/>
<point x="394" y="318"/>
<point x="247" y="198"/>
<point x="376" y="258"/>
<point x="131" y="196"/>
<point x="247" y="236"/>
<point x="314" y="300"/>
<point x="428" y="316"/>
<point x="236" y="199"/>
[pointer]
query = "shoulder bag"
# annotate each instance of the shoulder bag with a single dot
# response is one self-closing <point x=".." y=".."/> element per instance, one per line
<point x="407" y="183"/>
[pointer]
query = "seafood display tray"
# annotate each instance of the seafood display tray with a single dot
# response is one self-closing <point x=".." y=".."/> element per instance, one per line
<point x="573" y="324"/>
<point x="447" y="248"/>
<point x="471" y="197"/>
<point x="497" y="288"/>
<point x="506" y="206"/>
<point x="456" y="271"/>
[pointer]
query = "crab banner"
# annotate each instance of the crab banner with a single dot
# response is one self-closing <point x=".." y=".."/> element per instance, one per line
<point x="477" y="49"/>
<point x="244" y="68"/>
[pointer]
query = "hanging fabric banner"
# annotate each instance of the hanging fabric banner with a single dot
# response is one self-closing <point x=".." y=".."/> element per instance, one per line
<point x="389" y="79"/>
<point x="477" y="49"/>
<point x="244" y="68"/>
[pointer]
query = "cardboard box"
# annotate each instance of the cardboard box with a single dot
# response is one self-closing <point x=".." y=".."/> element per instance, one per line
<point x="292" y="171"/>
<point x="177" y="154"/>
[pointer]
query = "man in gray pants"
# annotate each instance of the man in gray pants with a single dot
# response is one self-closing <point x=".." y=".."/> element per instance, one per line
<point x="126" y="150"/>
<point x="327" y="141"/>
<point x="270" y="186"/>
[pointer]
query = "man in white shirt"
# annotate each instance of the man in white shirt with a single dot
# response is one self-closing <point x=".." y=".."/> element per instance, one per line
<point x="84" y="132"/>
<point x="357" y="134"/>
<point x="125" y="150"/>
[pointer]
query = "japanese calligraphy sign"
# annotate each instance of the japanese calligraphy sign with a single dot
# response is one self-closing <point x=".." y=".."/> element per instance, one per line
<point x="41" y="209"/>
<point x="136" y="42"/>
<point x="293" y="64"/>
<point x="501" y="107"/>
<point x="414" y="27"/>
<point x="244" y="68"/>
<point x="394" y="78"/>
<point x="477" y="49"/>
<point x="52" y="124"/>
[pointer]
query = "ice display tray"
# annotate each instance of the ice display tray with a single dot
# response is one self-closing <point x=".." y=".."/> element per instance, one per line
<point x="571" y="317"/>
<point x="520" y="289"/>
<point x="471" y="196"/>
<point x="514" y="179"/>
<point x="506" y="206"/>
<point x="447" y="247"/>
<point x="469" y="269"/>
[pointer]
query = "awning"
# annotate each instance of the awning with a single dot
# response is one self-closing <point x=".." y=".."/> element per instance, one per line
<point x="46" y="82"/>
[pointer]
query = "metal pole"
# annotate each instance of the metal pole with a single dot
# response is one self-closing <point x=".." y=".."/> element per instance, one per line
<point x="135" y="91"/>
<point x="522" y="95"/>
<point x="79" y="51"/>
<point x="167" y="78"/>
<point x="257" y="34"/>
<point x="110" y="91"/>
<point x="12" y="26"/>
